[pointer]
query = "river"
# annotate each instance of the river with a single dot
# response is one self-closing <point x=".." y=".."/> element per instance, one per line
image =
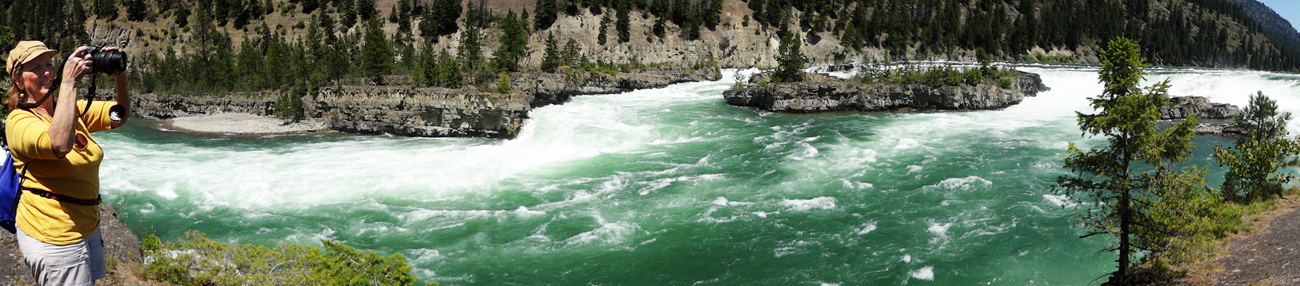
<point x="669" y="187"/>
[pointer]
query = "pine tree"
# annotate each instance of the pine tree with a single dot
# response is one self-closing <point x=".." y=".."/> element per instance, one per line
<point x="470" y="50"/>
<point x="623" y="22"/>
<point x="366" y="9"/>
<point x="403" y="15"/>
<point x="1125" y="196"/>
<point x="600" y="38"/>
<point x="422" y="71"/>
<point x="449" y="69"/>
<point x="547" y="11"/>
<point x="571" y="53"/>
<point x="377" y="53"/>
<point x="1254" y="163"/>
<point x="551" y="58"/>
<point x="106" y="9"/>
<point x="514" y="42"/>
<point x="347" y="13"/>
<point x="790" y="59"/>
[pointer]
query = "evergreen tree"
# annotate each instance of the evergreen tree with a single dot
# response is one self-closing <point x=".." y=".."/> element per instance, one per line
<point x="403" y="15"/>
<point x="1126" y="196"/>
<point x="600" y="37"/>
<point x="181" y="15"/>
<point x="366" y="10"/>
<point x="470" y="50"/>
<point x="623" y="22"/>
<point x="376" y="54"/>
<point x="106" y="9"/>
<point x="571" y="53"/>
<point x="790" y="60"/>
<point x="449" y="69"/>
<point x="1253" y="166"/>
<point x="423" y="72"/>
<point x="547" y="11"/>
<point x="551" y="58"/>
<point x="347" y="13"/>
<point x="514" y="42"/>
<point x="135" y="9"/>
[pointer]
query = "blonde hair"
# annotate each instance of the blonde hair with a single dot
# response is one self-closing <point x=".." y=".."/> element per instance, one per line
<point x="13" y="90"/>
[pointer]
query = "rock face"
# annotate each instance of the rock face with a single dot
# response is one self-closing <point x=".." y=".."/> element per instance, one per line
<point x="822" y="94"/>
<point x="428" y="112"/>
<point x="1183" y="106"/>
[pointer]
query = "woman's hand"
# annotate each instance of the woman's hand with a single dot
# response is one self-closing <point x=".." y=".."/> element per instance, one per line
<point x="77" y="66"/>
<point x="120" y="75"/>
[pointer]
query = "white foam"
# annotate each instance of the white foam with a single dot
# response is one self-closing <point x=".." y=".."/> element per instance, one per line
<point x="1060" y="200"/>
<point x="907" y="143"/>
<point x="925" y="273"/>
<point x="168" y="191"/>
<point x="939" y="229"/>
<point x="721" y="201"/>
<point x="964" y="183"/>
<point x="867" y="228"/>
<point x="823" y="203"/>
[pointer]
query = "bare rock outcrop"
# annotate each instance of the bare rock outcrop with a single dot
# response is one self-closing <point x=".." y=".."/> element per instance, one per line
<point x="1181" y="107"/>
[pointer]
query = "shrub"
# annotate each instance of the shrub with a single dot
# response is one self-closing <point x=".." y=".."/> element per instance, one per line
<point x="198" y="260"/>
<point x="503" y="84"/>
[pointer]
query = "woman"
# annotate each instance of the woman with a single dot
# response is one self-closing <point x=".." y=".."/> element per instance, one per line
<point x="58" y="217"/>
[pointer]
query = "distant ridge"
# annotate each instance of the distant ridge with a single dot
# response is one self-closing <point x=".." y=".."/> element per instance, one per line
<point x="1269" y="19"/>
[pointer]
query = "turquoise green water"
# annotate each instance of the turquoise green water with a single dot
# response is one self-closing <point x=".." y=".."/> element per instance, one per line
<point x="666" y="187"/>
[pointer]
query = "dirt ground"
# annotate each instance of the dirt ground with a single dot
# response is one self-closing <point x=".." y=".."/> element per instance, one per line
<point x="1265" y="256"/>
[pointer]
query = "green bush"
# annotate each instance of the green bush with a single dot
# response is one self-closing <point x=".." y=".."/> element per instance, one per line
<point x="935" y="76"/>
<point x="503" y="84"/>
<point x="198" y="260"/>
<point x="289" y="104"/>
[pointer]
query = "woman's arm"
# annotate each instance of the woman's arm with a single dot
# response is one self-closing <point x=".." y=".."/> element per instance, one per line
<point x="123" y="98"/>
<point x="62" y="126"/>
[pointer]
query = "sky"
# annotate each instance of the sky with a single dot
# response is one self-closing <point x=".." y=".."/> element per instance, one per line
<point x="1289" y="9"/>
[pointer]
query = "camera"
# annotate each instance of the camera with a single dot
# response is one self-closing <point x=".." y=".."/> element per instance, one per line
<point x="108" y="62"/>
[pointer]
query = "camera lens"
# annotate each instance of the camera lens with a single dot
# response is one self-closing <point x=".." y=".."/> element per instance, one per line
<point x="108" y="61"/>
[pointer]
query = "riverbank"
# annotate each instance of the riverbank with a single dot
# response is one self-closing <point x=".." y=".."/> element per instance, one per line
<point x="240" y="123"/>
<point x="1263" y="255"/>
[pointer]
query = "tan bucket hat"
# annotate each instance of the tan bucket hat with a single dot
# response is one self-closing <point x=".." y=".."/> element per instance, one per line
<point x="25" y="52"/>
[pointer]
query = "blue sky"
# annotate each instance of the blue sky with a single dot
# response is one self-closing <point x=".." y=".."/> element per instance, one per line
<point x="1289" y="9"/>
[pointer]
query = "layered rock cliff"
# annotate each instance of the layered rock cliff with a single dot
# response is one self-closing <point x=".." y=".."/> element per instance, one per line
<point x="822" y="94"/>
<point x="426" y="112"/>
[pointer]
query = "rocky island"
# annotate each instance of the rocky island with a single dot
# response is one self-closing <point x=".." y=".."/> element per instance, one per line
<point x="820" y="93"/>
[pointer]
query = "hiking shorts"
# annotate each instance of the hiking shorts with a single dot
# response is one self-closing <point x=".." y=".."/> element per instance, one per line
<point x="74" y="264"/>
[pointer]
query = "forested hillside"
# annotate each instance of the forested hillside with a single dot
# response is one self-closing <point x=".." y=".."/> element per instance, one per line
<point x="232" y="45"/>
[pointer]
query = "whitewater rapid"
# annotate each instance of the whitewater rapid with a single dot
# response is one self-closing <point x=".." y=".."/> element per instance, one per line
<point x="668" y="186"/>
